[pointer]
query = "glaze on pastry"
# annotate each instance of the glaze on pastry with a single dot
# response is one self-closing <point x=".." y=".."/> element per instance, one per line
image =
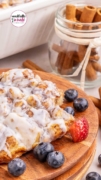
<point x="30" y="113"/>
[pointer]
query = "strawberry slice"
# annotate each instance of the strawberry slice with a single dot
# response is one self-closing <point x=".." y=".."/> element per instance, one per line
<point x="79" y="130"/>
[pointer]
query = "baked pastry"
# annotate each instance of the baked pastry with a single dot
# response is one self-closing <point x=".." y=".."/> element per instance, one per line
<point x="30" y="113"/>
<point x="4" y="4"/>
<point x="8" y="3"/>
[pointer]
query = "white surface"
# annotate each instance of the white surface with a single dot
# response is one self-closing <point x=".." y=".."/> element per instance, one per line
<point x="39" y="55"/>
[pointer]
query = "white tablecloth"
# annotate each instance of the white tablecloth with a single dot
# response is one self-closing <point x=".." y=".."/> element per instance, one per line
<point x="39" y="55"/>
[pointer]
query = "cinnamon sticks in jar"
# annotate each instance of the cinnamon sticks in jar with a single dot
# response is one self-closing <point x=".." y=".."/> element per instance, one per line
<point x="67" y="60"/>
<point x="70" y="14"/>
<point x="97" y="17"/>
<point x="86" y="14"/>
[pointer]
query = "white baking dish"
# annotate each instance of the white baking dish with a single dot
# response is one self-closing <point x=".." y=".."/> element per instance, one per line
<point x="40" y="18"/>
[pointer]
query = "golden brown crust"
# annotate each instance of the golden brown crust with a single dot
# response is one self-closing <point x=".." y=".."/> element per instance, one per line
<point x="42" y="86"/>
<point x="59" y="99"/>
<point x="31" y="101"/>
<point x="36" y="141"/>
<point x="69" y="123"/>
<point x="32" y="118"/>
<point x="56" y="131"/>
<point x="19" y="104"/>
<point x="2" y="91"/>
<point x="14" y="149"/>
<point x="30" y="113"/>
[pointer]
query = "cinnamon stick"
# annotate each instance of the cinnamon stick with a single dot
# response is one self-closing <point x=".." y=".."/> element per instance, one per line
<point x="70" y="12"/>
<point x="90" y="72"/>
<point x="96" y="66"/>
<point x="57" y="48"/>
<point x="93" y="51"/>
<point x="100" y="92"/>
<point x="75" y="58"/>
<point x="94" y="57"/>
<point x="29" y="64"/>
<point x="88" y="14"/>
<point x="60" y="61"/>
<point x="97" y="17"/>
<point x="96" y="101"/>
<point x="67" y="63"/>
<point x="78" y="13"/>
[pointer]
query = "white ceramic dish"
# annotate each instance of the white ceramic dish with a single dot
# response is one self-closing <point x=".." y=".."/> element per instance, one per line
<point x="36" y="31"/>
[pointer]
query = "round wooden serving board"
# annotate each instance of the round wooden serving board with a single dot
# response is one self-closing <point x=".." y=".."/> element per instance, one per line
<point x="74" y="152"/>
<point x="80" y="168"/>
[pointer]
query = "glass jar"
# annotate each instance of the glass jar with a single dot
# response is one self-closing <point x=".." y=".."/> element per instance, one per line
<point x="73" y="51"/>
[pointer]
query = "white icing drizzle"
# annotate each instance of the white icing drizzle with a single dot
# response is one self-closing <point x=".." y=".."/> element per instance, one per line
<point x="49" y="134"/>
<point x="35" y="99"/>
<point x="20" y="107"/>
<point x="4" y="133"/>
<point x="29" y="109"/>
<point x="51" y="88"/>
<point x="14" y="93"/>
<point x="26" y="131"/>
<point x="41" y="117"/>
<point x="61" y="124"/>
<point x="27" y="90"/>
<point x="38" y="78"/>
<point x="5" y="107"/>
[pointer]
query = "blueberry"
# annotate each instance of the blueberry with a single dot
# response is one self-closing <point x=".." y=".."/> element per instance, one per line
<point x="16" y="167"/>
<point x="99" y="159"/>
<point x="93" y="176"/>
<point x="80" y="104"/>
<point x="55" y="159"/>
<point x="41" y="151"/>
<point x="70" y="110"/>
<point x="71" y="94"/>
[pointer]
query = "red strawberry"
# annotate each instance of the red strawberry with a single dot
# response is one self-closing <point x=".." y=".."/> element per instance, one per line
<point x="79" y="130"/>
